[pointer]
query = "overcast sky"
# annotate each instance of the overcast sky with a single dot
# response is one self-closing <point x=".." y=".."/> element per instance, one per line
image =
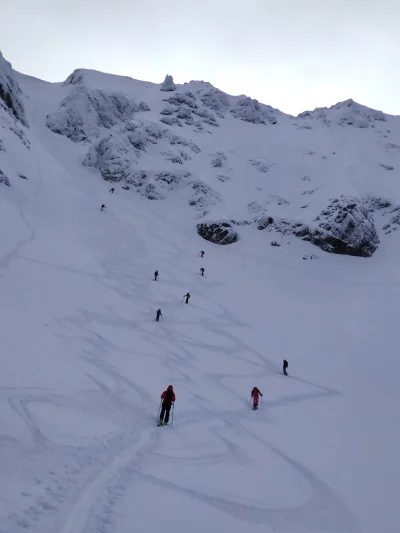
<point x="291" y="54"/>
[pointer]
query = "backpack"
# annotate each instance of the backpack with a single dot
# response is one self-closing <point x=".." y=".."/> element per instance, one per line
<point x="168" y="396"/>
<point x="285" y="363"/>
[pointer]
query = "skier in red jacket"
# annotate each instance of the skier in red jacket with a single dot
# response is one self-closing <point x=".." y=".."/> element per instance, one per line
<point x="168" y="398"/>
<point x="254" y="394"/>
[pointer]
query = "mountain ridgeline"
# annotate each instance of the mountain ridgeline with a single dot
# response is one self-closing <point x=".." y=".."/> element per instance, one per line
<point x="326" y="177"/>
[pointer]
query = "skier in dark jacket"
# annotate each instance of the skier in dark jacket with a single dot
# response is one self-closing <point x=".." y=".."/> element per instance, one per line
<point x="112" y="190"/>
<point x="158" y="315"/>
<point x="202" y="271"/>
<point x="103" y="207"/>
<point x="285" y="365"/>
<point x="187" y="296"/>
<point x="168" y="398"/>
<point x="202" y="254"/>
<point x="254" y="394"/>
<point x="155" y="275"/>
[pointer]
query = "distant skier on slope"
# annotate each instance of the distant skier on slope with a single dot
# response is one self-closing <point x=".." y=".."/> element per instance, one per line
<point x="168" y="398"/>
<point x="202" y="254"/>
<point x="285" y="365"/>
<point x="202" y="271"/>
<point x="103" y="207"/>
<point x="187" y="296"/>
<point x="158" y="315"/>
<point x="112" y="190"/>
<point x="155" y="275"/>
<point x="254" y="394"/>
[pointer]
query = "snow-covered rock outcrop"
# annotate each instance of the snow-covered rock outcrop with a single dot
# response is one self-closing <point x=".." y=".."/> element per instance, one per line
<point x="252" y="111"/>
<point x="186" y="108"/>
<point x="215" y="99"/>
<point x="10" y="93"/>
<point x="347" y="113"/>
<point x="84" y="111"/>
<point x="345" y="227"/>
<point x="168" y="84"/>
<point x="218" y="232"/>
<point x="117" y="157"/>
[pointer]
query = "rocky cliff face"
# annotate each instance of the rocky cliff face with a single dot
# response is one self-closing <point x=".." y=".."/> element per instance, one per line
<point x="11" y="98"/>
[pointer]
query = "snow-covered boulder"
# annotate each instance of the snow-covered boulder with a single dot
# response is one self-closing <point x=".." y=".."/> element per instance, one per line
<point x="10" y="93"/>
<point x="219" y="232"/>
<point x="168" y="84"/>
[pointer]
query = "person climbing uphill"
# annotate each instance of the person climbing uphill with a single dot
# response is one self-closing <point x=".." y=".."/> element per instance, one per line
<point x="168" y="398"/>
<point x="285" y="365"/>
<point x="202" y="254"/>
<point x="112" y="190"/>
<point x="187" y="296"/>
<point x="155" y="275"/>
<point x="254" y="394"/>
<point x="158" y="315"/>
<point x="202" y="271"/>
<point x="103" y="207"/>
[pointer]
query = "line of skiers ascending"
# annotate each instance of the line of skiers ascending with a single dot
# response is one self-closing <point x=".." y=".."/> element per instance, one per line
<point x="187" y="295"/>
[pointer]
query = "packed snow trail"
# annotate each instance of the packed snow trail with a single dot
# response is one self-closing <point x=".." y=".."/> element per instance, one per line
<point x="84" y="364"/>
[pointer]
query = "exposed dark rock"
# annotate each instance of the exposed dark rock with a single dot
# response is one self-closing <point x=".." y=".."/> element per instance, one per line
<point x="10" y="92"/>
<point x="386" y="167"/>
<point x="4" y="179"/>
<point x="218" y="232"/>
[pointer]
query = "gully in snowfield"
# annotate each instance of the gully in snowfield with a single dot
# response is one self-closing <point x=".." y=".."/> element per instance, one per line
<point x="168" y="398"/>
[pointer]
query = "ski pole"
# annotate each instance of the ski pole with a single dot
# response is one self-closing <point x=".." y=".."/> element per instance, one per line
<point x="159" y="410"/>
<point x="172" y="418"/>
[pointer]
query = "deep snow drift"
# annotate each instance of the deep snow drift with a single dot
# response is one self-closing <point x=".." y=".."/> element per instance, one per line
<point x="83" y="361"/>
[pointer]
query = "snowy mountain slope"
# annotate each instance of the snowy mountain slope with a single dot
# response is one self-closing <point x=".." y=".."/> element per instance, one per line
<point x="84" y="362"/>
<point x="234" y="159"/>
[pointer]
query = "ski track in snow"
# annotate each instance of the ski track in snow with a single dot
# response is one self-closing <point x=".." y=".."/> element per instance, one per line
<point x="125" y="466"/>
